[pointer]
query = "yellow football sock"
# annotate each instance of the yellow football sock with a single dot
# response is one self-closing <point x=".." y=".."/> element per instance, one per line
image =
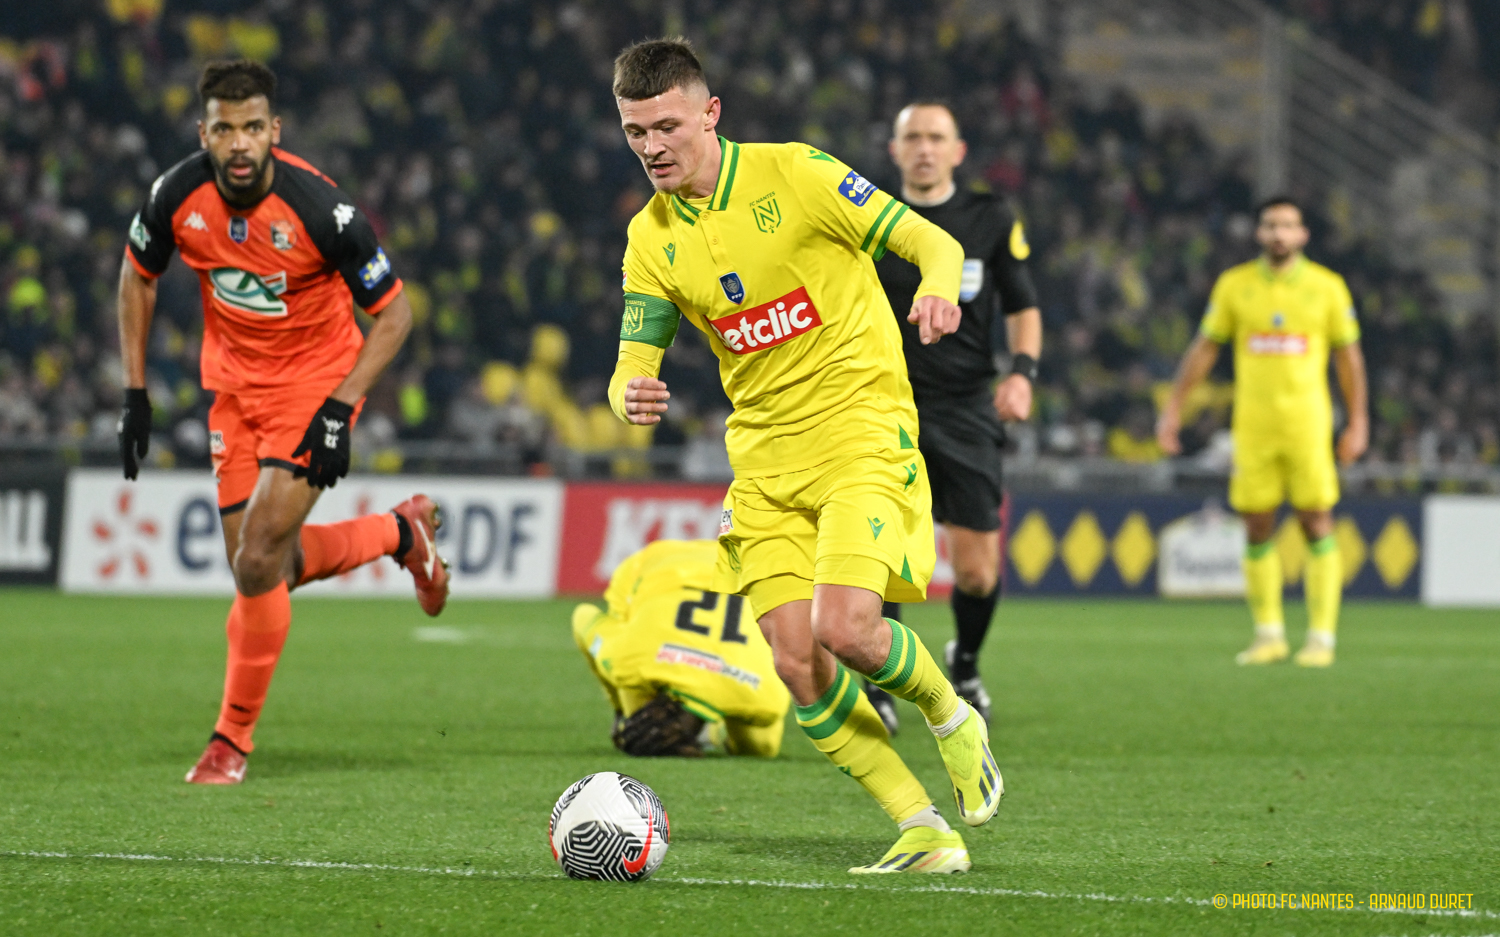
<point x="844" y="726"/>
<point x="1323" y="585"/>
<point x="912" y="674"/>
<point x="1263" y="584"/>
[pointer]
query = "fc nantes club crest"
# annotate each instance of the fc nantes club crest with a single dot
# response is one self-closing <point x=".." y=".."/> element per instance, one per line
<point x="767" y="213"/>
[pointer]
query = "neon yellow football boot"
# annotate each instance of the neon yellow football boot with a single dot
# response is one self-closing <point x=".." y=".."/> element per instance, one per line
<point x="1264" y="651"/>
<point x="977" y="785"/>
<point x="1317" y="652"/>
<point x="921" y="849"/>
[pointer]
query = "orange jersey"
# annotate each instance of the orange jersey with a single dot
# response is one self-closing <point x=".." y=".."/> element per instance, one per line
<point x="279" y="279"/>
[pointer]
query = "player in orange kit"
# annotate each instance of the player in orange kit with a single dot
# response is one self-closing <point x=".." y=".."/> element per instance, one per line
<point x="282" y="257"/>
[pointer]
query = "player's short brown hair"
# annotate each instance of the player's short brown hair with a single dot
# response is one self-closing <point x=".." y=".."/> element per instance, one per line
<point x="1276" y="201"/>
<point x="239" y="80"/>
<point x="656" y="66"/>
<point x="930" y="102"/>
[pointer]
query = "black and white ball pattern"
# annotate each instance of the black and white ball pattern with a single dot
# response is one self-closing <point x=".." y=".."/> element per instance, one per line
<point x="609" y="827"/>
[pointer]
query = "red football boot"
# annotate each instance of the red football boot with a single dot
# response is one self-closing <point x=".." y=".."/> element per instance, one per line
<point x="428" y="570"/>
<point x="221" y="763"/>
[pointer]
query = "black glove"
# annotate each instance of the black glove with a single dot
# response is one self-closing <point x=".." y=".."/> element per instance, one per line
<point x="327" y="438"/>
<point x="134" y="429"/>
<point x="661" y="727"/>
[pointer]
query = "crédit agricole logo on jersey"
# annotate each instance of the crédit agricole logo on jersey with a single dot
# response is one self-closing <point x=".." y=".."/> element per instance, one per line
<point x="250" y="292"/>
<point x="768" y="325"/>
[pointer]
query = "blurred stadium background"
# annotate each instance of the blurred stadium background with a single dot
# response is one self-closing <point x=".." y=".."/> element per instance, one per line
<point x="481" y="138"/>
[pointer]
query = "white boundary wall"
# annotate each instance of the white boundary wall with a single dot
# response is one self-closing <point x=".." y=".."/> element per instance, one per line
<point x="1461" y="555"/>
<point x="161" y="534"/>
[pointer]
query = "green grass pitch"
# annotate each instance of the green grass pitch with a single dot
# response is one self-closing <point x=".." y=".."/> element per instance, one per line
<point x="402" y="786"/>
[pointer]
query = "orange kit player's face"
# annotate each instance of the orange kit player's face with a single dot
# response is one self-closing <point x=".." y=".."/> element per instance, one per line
<point x="673" y="134"/>
<point x="1281" y="232"/>
<point x="238" y="136"/>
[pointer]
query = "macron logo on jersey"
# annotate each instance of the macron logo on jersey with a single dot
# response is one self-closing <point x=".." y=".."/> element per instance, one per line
<point x="857" y="188"/>
<point x="766" y="326"/>
<point x="1284" y="344"/>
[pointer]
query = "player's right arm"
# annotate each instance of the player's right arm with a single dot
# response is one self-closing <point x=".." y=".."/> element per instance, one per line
<point x="849" y="209"/>
<point x="1216" y="330"/>
<point x="147" y="254"/>
<point x="647" y="330"/>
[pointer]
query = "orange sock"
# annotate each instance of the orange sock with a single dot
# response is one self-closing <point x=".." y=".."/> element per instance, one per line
<point x="334" y="549"/>
<point x="257" y="630"/>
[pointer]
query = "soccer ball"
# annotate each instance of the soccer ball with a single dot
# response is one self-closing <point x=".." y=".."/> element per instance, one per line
<point x="609" y="827"/>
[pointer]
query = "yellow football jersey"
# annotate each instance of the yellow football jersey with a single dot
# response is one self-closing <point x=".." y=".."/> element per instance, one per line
<point x="665" y="631"/>
<point x="777" y="268"/>
<point x="1282" y="327"/>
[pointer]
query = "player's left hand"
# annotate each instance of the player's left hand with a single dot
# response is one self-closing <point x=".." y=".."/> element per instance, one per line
<point x="327" y="441"/>
<point x="935" y="317"/>
<point x="1353" y="441"/>
<point x="1013" y="399"/>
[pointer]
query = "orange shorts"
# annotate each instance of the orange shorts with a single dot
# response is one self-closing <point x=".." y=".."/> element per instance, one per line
<point x="252" y="430"/>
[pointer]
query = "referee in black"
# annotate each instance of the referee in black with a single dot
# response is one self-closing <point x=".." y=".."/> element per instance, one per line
<point x="962" y="418"/>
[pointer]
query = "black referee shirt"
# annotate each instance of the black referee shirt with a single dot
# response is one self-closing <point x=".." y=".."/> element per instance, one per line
<point x="995" y="281"/>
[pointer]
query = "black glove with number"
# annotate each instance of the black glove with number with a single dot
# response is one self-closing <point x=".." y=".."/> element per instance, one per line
<point x="134" y="430"/>
<point x="327" y="439"/>
<point x="661" y="727"/>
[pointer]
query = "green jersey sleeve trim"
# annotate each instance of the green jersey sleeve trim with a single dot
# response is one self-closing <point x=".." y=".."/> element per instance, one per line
<point x="870" y="234"/>
<point x="885" y="236"/>
<point x="649" y="320"/>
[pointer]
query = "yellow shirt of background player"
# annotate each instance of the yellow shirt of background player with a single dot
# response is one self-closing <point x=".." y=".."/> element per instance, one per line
<point x="664" y="631"/>
<point x="1283" y="327"/>
<point x="777" y="268"/>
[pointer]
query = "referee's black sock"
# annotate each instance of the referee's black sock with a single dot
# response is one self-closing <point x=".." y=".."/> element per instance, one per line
<point x="971" y="615"/>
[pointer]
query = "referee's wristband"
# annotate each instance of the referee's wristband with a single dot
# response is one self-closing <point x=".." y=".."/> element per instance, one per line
<point x="1024" y="365"/>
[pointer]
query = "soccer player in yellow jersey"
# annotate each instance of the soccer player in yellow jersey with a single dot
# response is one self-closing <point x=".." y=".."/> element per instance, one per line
<point x="675" y="657"/>
<point x="1285" y="316"/>
<point x="770" y="250"/>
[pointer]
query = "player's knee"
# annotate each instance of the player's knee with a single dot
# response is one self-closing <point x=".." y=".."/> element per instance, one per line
<point x="257" y="570"/>
<point x="976" y="578"/>
<point x="841" y="631"/>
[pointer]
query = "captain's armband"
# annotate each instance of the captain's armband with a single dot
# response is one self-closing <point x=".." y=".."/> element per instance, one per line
<point x="649" y="320"/>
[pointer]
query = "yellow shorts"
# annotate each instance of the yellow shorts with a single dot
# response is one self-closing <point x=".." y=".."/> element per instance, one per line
<point x="1268" y="471"/>
<point x="863" y="521"/>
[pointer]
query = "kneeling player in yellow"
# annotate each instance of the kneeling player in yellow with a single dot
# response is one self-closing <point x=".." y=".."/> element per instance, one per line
<point x="1284" y="314"/>
<point x="769" y="250"/>
<point x="678" y="660"/>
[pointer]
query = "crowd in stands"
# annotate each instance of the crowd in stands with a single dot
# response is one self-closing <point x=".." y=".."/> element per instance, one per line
<point x="482" y="141"/>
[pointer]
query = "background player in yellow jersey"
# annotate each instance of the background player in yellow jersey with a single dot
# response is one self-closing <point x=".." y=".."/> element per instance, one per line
<point x="675" y="657"/>
<point x="1285" y="315"/>
<point x="769" y="250"/>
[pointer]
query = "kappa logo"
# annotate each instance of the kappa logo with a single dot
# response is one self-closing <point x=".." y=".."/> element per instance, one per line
<point x="857" y="188"/>
<point x="671" y="251"/>
<point x="195" y="221"/>
<point x="250" y="292"/>
<point x="766" y="326"/>
<point x="876" y="526"/>
<point x="767" y="213"/>
<point x="342" y="215"/>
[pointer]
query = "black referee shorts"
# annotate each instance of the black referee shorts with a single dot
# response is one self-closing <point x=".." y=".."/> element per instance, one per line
<point x="961" y="442"/>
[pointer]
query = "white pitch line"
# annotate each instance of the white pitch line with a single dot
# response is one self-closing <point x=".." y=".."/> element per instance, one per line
<point x="739" y="883"/>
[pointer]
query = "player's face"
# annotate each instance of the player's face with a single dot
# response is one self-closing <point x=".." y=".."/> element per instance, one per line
<point x="673" y="134"/>
<point x="238" y="136"/>
<point x="1281" y="232"/>
<point x="926" y="147"/>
